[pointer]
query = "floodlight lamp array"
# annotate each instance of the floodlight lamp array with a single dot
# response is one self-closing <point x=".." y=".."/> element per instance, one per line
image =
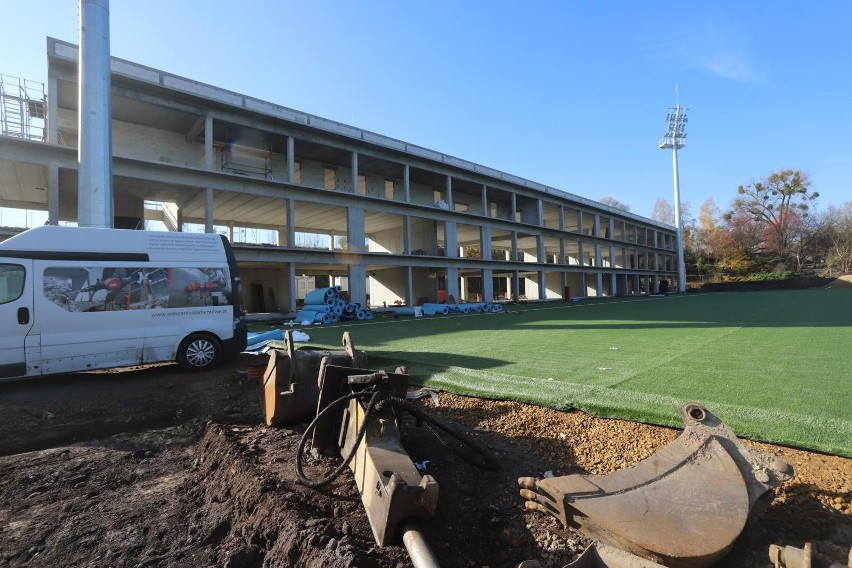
<point x="675" y="136"/>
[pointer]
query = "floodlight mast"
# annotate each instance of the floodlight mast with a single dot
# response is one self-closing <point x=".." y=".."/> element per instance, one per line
<point x="675" y="138"/>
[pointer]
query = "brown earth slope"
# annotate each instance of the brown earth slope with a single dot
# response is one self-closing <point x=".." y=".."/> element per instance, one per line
<point x="153" y="467"/>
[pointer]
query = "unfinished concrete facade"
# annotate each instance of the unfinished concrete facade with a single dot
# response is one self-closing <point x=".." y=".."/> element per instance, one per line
<point x="311" y="202"/>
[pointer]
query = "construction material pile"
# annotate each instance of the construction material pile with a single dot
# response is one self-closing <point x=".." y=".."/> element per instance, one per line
<point x="445" y="309"/>
<point x="327" y="305"/>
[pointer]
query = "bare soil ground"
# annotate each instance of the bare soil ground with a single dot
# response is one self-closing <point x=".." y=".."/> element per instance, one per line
<point x="844" y="281"/>
<point x="155" y="467"/>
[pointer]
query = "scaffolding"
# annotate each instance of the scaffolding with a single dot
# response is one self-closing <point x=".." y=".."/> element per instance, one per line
<point x="23" y="107"/>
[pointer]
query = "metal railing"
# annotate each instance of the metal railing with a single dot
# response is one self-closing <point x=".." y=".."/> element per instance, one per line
<point x="23" y="108"/>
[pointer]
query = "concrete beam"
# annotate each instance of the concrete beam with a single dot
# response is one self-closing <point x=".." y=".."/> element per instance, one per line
<point x="195" y="129"/>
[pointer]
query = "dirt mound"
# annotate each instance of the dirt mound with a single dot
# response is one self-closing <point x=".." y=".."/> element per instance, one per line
<point x="844" y="281"/>
<point x="192" y="492"/>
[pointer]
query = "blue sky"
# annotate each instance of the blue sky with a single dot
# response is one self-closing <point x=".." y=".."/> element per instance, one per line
<point x="567" y="93"/>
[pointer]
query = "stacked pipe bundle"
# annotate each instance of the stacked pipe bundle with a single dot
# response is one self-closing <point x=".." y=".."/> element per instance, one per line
<point x="475" y="308"/>
<point x="444" y="309"/>
<point x="327" y="305"/>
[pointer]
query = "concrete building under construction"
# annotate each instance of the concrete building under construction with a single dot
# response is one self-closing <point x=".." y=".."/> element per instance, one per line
<point x="309" y="202"/>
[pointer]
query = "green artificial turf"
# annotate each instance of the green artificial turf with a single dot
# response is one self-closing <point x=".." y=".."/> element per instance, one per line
<point x="775" y="366"/>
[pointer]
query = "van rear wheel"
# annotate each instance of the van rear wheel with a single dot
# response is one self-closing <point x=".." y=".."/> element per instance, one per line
<point x="199" y="352"/>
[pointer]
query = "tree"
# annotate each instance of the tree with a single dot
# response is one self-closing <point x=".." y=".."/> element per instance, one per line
<point x="778" y="205"/>
<point x="615" y="203"/>
<point x="663" y="212"/>
<point x="837" y="231"/>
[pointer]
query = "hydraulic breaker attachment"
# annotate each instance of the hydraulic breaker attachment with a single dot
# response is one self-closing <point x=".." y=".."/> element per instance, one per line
<point x="682" y="507"/>
<point x="289" y="389"/>
<point x="357" y="417"/>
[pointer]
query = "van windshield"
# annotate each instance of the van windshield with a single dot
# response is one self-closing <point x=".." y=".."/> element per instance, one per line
<point x="11" y="282"/>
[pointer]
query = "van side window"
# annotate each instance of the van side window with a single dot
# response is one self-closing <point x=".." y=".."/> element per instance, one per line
<point x="11" y="282"/>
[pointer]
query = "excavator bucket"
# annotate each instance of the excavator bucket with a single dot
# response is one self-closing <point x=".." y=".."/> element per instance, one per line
<point x="683" y="507"/>
<point x="289" y="389"/>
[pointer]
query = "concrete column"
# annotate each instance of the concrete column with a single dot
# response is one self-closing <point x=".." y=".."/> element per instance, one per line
<point x="563" y="282"/>
<point x="208" y="209"/>
<point x="485" y="242"/>
<point x="52" y="138"/>
<point x="357" y="274"/>
<point x="515" y="286"/>
<point x="355" y="230"/>
<point x="451" y="239"/>
<point x="53" y="195"/>
<point x="291" y="223"/>
<point x="485" y="210"/>
<point x="487" y="285"/>
<point x="562" y="252"/>
<point x="354" y="172"/>
<point x="514" y="252"/>
<point x="514" y="206"/>
<point x="406" y="182"/>
<point x="579" y="221"/>
<point x="613" y="284"/>
<point x="450" y="193"/>
<point x="598" y="260"/>
<point x="597" y="230"/>
<point x="52" y="109"/>
<point x="599" y="283"/>
<point x="581" y="253"/>
<point x="290" y="286"/>
<point x="539" y="245"/>
<point x="208" y="165"/>
<point x="562" y="221"/>
<point x="409" y="286"/>
<point x="406" y="234"/>
<point x="453" y="283"/>
<point x="542" y="285"/>
<point x="291" y="159"/>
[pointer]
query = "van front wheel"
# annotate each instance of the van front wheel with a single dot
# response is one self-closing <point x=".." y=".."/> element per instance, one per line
<point x="199" y="352"/>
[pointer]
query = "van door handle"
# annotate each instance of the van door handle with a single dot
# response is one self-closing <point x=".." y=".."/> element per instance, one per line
<point x="23" y="316"/>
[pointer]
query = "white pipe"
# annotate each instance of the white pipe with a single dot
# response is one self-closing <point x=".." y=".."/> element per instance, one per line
<point x="416" y="545"/>
<point x="681" y="265"/>
<point x="94" y="157"/>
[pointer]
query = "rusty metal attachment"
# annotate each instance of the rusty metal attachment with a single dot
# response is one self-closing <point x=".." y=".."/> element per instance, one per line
<point x="792" y="557"/>
<point x="289" y="388"/>
<point x="358" y="417"/>
<point x="683" y="507"/>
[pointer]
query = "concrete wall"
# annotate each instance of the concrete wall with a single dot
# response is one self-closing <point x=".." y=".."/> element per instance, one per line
<point x="424" y="236"/>
<point x="422" y="194"/>
<point x="389" y="241"/>
<point x="553" y="285"/>
<point x="269" y="278"/>
<point x="423" y="286"/>
<point x="386" y="287"/>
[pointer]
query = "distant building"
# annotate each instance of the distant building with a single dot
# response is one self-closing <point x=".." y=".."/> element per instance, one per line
<point x="301" y="196"/>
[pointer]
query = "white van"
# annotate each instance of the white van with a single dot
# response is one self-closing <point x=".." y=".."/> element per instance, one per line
<point x="74" y="299"/>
